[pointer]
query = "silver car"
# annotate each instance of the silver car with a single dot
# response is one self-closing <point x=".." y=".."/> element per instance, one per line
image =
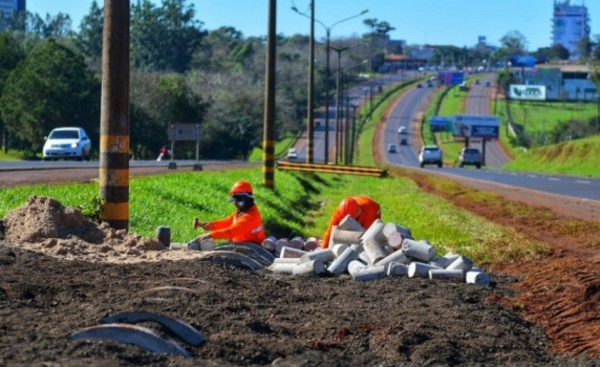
<point x="67" y="142"/>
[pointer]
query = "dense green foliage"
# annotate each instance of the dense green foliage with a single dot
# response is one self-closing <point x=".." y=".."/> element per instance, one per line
<point x="50" y="88"/>
<point x="300" y="205"/>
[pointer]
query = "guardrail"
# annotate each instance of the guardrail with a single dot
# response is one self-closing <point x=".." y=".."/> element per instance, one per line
<point x="329" y="168"/>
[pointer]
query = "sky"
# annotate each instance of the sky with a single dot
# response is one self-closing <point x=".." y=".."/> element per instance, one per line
<point x="437" y="22"/>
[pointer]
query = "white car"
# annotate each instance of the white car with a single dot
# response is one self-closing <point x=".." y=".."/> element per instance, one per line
<point x="430" y="154"/>
<point x="292" y="154"/>
<point x="402" y="130"/>
<point x="67" y="142"/>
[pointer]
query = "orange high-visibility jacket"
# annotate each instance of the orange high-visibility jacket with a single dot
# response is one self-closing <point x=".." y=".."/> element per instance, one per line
<point x="370" y="211"/>
<point x="239" y="227"/>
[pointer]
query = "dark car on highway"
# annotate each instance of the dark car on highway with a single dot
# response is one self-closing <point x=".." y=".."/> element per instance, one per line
<point x="469" y="156"/>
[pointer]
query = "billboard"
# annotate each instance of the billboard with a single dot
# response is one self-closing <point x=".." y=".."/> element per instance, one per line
<point x="451" y="77"/>
<point x="527" y="92"/>
<point x="522" y="61"/>
<point x="476" y="126"/>
<point x="441" y="123"/>
<point x="184" y="132"/>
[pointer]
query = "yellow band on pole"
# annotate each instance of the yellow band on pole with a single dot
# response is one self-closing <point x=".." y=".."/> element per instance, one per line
<point x="114" y="144"/>
<point x="113" y="177"/>
<point x="114" y="211"/>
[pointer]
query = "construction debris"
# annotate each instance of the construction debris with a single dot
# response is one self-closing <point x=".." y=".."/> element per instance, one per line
<point x="383" y="249"/>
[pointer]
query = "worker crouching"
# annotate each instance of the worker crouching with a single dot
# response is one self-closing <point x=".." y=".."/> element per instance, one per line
<point x="244" y="225"/>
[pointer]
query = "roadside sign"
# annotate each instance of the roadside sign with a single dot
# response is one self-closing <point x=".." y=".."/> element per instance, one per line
<point x="476" y="126"/>
<point x="522" y="61"/>
<point x="184" y="132"/>
<point x="441" y="123"/>
<point x="527" y="92"/>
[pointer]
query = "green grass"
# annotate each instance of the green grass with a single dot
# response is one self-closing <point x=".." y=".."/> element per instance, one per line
<point x="539" y="117"/>
<point x="578" y="157"/>
<point x="11" y="155"/>
<point x="301" y="205"/>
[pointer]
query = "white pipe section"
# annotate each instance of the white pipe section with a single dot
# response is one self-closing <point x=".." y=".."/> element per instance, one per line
<point x="375" y="231"/>
<point x="419" y="270"/>
<point x="443" y="274"/>
<point x="358" y="248"/>
<point x="364" y="257"/>
<point x="287" y="260"/>
<point x="297" y="242"/>
<point x="397" y="270"/>
<point x="269" y="243"/>
<point x="355" y="265"/>
<point x="350" y="224"/>
<point x="461" y="263"/>
<point x="390" y="228"/>
<point x="345" y="237"/>
<point x="444" y="261"/>
<point x="395" y="257"/>
<point x="478" y="277"/>
<point x="311" y="244"/>
<point x="279" y="244"/>
<point x="287" y="252"/>
<point x="313" y="267"/>
<point x="282" y="268"/>
<point x="419" y="250"/>
<point x="370" y="273"/>
<point x="395" y="239"/>
<point x="375" y="251"/>
<point x="323" y="255"/>
<point x="338" y="249"/>
<point x="339" y="265"/>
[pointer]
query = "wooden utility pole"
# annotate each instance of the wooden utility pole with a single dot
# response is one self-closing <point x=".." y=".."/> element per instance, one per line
<point x="269" y="119"/>
<point x="114" y="116"/>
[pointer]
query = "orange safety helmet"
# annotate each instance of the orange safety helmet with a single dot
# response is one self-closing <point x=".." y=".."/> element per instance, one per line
<point x="241" y="187"/>
<point x="350" y="207"/>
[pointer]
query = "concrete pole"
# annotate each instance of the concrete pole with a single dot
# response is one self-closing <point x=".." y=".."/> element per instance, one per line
<point x="311" y="87"/>
<point x="114" y="116"/>
<point x="269" y="117"/>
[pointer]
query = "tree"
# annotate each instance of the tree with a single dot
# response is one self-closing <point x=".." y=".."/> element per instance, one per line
<point x="164" y="38"/>
<point x="584" y="46"/>
<point x="559" y="52"/>
<point x="11" y="55"/>
<point x="378" y="28"/>
<point x="89" y="38"/>
<point x="50" y="88"/>
<point x="513" y="43"/>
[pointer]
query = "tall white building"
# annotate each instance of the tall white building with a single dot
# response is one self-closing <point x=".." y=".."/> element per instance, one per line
<point x="569" y="24"/>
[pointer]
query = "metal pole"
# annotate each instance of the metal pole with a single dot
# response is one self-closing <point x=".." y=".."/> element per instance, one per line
<point x="269" y="117"/>
<point x="327" y="87"/>
<point x="347" y="132"/>
<point x="337" y="108"/>
<point x="114" y="116"/>
<point x="353" y="139"/>
<point x="311" y="86"/>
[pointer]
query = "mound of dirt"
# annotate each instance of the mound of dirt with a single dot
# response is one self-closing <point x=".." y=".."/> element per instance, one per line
<point x="44" y="224"/>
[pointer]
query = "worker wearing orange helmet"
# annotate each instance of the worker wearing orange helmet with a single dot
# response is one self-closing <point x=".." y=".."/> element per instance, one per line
<point x="364" y="209"/>
<point x="244" y="225"/>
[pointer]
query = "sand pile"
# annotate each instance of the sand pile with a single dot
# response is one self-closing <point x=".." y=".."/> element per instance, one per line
<point x="43" y="224"/>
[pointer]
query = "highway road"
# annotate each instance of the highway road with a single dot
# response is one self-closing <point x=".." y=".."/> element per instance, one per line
<point x="358" y="96"/>
<point x="406" y="110"/>
<point x="478" y="103"/>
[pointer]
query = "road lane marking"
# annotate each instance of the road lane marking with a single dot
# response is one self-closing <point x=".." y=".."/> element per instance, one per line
<point x="583" y="182"/>
<point x="553" y="179"/>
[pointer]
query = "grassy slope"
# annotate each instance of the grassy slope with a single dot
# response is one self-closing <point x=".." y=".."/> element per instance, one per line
<point x="300" y="205"/>
<point x="578" y="157"/>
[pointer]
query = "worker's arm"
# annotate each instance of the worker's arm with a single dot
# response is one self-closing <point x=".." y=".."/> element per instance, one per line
<point x="241" y="225"/>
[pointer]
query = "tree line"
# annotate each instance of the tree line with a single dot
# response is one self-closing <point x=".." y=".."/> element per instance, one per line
<point x="180" y="73"/>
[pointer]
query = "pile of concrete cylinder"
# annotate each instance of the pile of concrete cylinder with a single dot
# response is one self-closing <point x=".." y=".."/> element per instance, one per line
<point x="384" y="249"/>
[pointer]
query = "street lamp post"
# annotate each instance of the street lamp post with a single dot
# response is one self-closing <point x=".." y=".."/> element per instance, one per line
<point x="337" y="100"/>
<point x="327" y="67"/>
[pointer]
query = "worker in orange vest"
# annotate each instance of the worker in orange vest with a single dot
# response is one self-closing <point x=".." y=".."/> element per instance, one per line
<point x="244" y="225"/>
<point x="364" y="209"/>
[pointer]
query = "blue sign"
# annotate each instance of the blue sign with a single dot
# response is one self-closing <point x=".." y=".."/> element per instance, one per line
<point x="522" y="61"/>
<point x="488" y="132"/>
<point x="438" y="123"/>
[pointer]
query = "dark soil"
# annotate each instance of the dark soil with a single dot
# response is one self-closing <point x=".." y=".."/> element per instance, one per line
<point x="256" y="318"/>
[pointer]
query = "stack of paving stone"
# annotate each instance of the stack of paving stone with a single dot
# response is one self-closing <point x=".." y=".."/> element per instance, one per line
<point x="384" y="249"/>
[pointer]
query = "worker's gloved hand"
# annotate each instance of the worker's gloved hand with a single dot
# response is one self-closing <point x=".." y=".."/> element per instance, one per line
<point x="196" y="223"/>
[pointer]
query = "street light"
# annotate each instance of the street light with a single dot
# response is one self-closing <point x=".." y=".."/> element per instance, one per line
<point x="337" y="100"/>
<point x="327" y="67"/>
